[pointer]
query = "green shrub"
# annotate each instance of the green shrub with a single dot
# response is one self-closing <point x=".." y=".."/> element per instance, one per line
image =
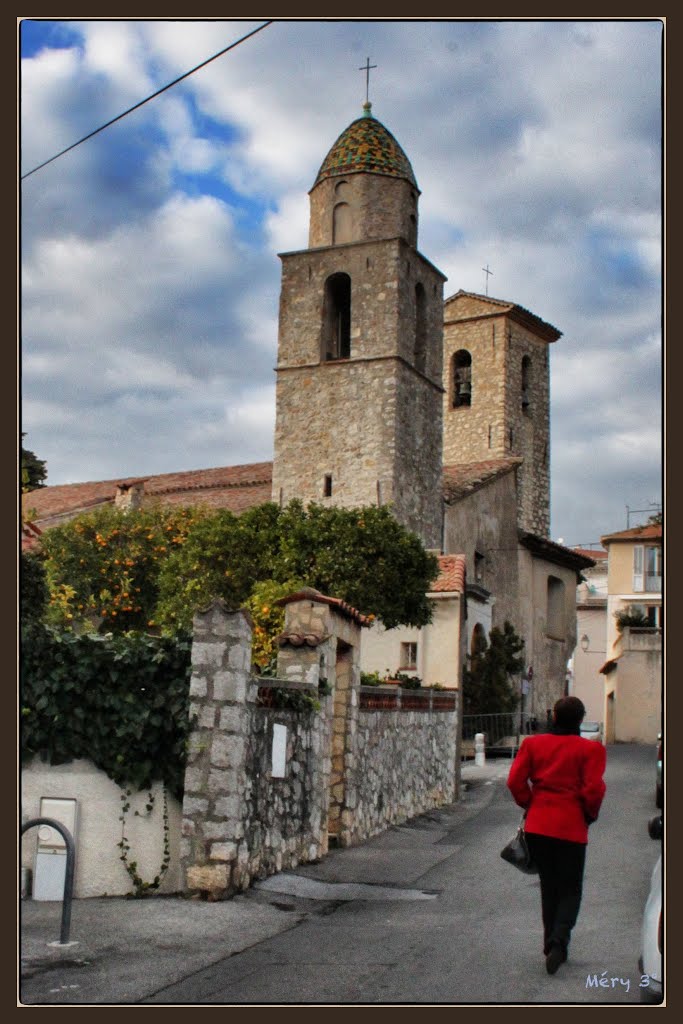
<point x="120" y="701"/>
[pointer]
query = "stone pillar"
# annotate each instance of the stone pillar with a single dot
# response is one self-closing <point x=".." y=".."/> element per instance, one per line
<point x="321" y="638"/>
<point x="213" y="850"/>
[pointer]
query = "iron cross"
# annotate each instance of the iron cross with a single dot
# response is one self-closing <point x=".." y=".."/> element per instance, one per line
<point x="366" y="68"/>
<point x="488" y="274"/>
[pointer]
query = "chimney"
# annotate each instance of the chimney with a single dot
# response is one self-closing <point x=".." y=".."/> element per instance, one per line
<point x="129" y="494"/>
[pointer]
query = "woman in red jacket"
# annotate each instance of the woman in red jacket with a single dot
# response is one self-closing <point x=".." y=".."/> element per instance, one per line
<point x="557" y="777"/>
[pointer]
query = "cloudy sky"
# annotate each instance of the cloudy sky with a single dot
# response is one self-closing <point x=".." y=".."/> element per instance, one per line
<point x="150" y="277"/>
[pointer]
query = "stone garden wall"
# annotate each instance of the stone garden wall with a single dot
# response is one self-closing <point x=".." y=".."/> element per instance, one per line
<point x="405" y="764"/>
<point x="279" y="769"/>
<point x="241" y="818"/>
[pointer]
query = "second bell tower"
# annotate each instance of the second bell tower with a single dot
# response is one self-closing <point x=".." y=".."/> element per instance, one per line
<point x="359" y="373"/>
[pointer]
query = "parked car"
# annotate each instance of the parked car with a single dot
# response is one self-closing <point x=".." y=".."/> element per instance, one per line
<point x="659" y="784"/>
<point x="651" y="937"/>
<point x="592" y="731"/>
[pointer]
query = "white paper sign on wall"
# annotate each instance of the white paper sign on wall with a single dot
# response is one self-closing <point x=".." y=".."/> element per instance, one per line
<point x="278" y="770"/>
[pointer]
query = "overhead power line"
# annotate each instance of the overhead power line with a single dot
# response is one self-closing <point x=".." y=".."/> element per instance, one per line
<point x="142" y="102"/>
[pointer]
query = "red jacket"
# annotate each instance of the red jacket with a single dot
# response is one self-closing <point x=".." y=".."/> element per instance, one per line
<point x="558" y="779"/>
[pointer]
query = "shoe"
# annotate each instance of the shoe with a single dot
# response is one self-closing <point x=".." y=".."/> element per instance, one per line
<point x="554" y="959"/>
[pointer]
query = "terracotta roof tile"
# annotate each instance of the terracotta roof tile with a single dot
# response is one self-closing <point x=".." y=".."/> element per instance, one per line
<point x="30" y="536"/>
<point x="233" y="487"/>
<point x="236" y="488"/>
<point x="570" y="558"/>
<point x="597" y="554"/>
<point x="451" y="578"/>
<point x="462" y="479"/>
<point x="310" y="594"/>
<point x="651" y="531"/>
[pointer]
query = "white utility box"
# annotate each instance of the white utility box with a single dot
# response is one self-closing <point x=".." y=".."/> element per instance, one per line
<point x="50" y="867"/>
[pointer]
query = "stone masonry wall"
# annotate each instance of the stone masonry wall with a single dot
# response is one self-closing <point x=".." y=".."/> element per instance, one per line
<point x="335" y="657"/>
<point x="380" y="206"/>
<point x="476" y="433"/>
<point x="405" y="764"/>
<point x="371" y="422"/>
<point x="485" y="521"/>
<point x="530" y="428"/>
<point x="238" y="822"/>
<point x="347" y="774"/>
<point x="386" y="766"/>
<point x="495" y="425"/>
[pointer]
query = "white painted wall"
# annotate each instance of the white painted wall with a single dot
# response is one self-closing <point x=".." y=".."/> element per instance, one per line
<point x="438" y="646"/>
<point x="99" y="871"/>
<point x="587" y="683"/>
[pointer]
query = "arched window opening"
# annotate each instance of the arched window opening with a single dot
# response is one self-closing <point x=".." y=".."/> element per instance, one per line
<point x="336" y="339"/>
<point x="526" y="384"/>
<point x="462" y="378"/>
<point x="420" y="350"/>
<point x="341" y="224"/>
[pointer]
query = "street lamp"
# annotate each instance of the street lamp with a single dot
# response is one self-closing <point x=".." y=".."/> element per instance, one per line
<point x="585" y="641"/>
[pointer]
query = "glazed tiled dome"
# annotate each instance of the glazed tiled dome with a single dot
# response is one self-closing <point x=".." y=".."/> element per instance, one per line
<point x="367" y="146"/>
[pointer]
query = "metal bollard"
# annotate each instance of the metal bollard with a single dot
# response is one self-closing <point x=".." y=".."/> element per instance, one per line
<point x="68" y="879"/>
<point x="479" y="752"/>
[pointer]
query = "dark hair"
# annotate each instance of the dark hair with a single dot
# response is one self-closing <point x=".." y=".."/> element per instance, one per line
<point x="568" y="712"/>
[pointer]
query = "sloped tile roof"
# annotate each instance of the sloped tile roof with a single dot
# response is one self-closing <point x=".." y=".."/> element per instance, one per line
<point x="451" y="578"/>
<point x="236" y="488"/>
<point x="651" y="531"/>
<point x="463" y="479"/>
<point x="597" y="554"/>
<point x="310" y="594"/>
<point x="547" y="549"/>
<point x="30" y="536"/>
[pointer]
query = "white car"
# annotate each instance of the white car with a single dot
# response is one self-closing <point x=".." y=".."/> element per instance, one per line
<point x="650" y="960"/>
<point x="592" y="731"/>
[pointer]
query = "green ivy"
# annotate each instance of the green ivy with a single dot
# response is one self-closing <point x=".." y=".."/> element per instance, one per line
<point x="141" y="887"/>
<point x="120" y="701"/>
<point x="292" y="700"/>
<point x="34" y="594"/>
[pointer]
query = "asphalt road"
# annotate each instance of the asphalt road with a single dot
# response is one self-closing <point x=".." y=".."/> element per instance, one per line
<point x="477" y="939"/>
<point x="426" y="913"/>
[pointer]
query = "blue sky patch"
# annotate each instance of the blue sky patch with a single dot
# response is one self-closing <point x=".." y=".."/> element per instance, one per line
<point x="35" y="36"/>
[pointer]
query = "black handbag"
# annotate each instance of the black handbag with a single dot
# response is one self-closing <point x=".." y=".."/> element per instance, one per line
<point x="517" y="853"/>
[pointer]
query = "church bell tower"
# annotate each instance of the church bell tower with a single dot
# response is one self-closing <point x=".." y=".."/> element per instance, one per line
<point x="359" y="392"/>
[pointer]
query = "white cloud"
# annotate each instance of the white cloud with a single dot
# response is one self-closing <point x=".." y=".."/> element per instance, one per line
<point x="150" y="277"/>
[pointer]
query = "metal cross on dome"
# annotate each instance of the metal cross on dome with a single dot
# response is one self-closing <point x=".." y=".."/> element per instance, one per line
<point x="366" y="68"/>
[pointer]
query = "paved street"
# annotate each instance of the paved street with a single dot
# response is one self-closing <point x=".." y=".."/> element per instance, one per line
<point x="426" y="913"/>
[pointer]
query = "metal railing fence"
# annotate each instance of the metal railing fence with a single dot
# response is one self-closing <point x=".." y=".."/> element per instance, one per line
<point x="503" y="731"/>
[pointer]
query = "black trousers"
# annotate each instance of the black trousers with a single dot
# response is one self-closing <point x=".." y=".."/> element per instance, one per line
<point x="560" y="869"/>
